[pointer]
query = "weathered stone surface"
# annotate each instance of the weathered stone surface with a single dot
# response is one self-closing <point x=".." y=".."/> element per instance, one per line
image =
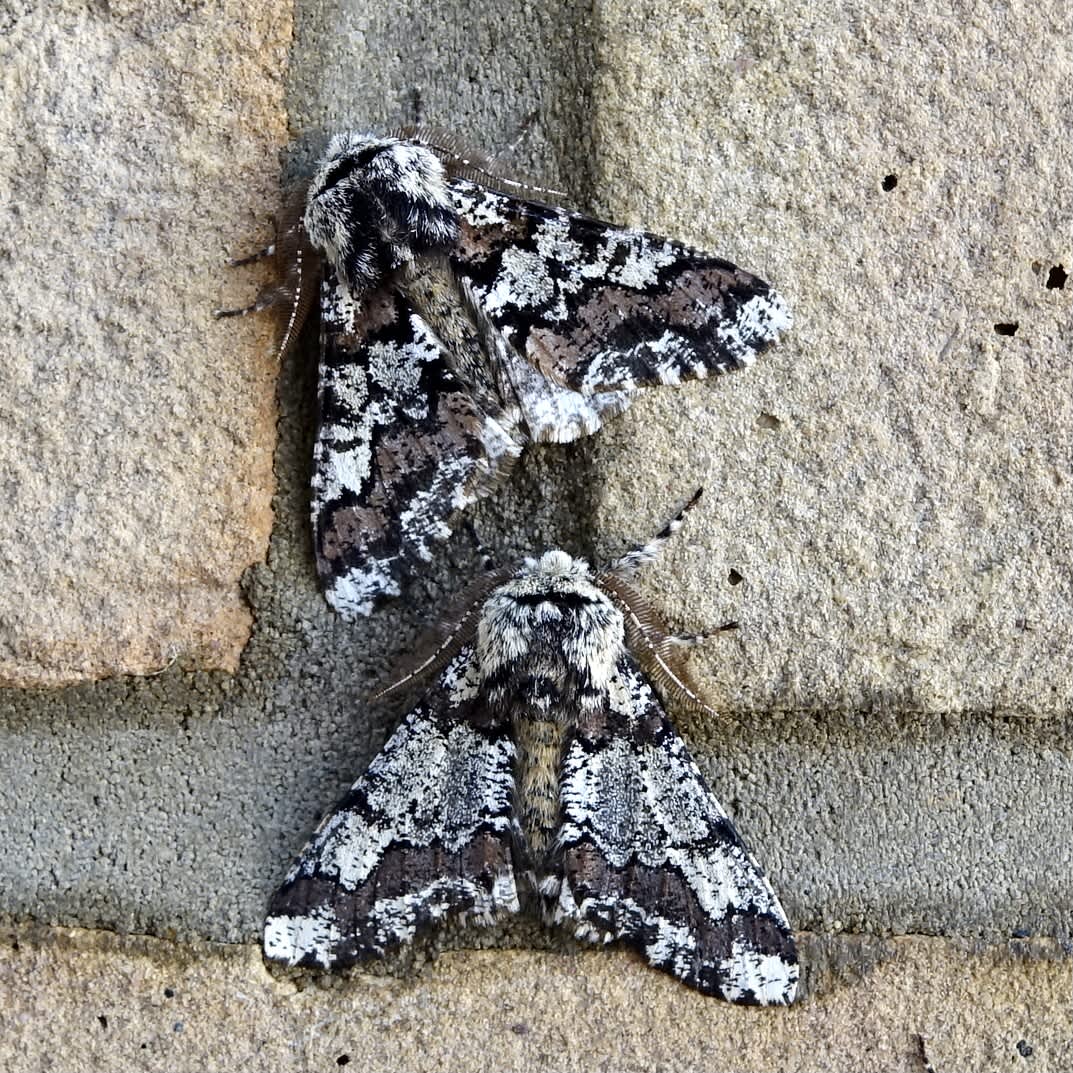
<point x="892" y="483"/>
<point x="123" y="803"/>
<point x="139" y="146"/>
<point x="889" y="489"/>
<point x="94" y="1001"/>
<point x="907" y="821"/>
<point x="895" y="482"/>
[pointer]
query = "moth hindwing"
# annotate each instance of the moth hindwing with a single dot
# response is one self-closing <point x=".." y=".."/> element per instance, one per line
<point x="461" y="321"/>
<point x="540" y="768"/>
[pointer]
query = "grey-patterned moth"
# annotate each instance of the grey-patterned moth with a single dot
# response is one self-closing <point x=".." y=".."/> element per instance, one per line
<point x="541" y="768"/>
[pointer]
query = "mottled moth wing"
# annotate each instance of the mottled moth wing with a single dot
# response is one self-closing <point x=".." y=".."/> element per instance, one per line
<point x="423" y="835"/>
<point x="598" y="308"/>
<point x="402" y="445"/>
<point x="648" y="856"/>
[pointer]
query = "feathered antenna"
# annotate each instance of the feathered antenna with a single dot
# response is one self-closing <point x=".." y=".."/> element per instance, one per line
<point x="456" y="629"/>
<point x="464" y="162"/>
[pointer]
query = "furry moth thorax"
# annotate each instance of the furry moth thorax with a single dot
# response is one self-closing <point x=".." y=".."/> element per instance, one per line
<point x="549" y="632"/>
<point x="375" y="204"/>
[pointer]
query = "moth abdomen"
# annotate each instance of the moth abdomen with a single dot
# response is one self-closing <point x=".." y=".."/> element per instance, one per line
<point x="540" y="744"/>
<point x="437" y="299"/>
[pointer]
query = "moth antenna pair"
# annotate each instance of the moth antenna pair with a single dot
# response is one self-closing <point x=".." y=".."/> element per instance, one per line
<point x="660" y="652"/>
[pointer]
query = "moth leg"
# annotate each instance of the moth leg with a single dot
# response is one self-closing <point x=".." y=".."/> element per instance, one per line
<point x="298" y="271"/>
<point x="644" y="554"/>
<point x="269" y="298"/>
<point x="487" y="559"/>
<point x="417" y="106"/>
<point x="521" y="132"/>
<point x="253" y="258"/>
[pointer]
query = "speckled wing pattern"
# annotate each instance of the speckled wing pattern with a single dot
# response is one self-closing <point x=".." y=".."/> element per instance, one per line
<point x="598" y="308"/>
<point x="541" y="758"/>
<point x="424" y="835"/>
<point x="645" y="854"/>
<point x="402" y="445"/>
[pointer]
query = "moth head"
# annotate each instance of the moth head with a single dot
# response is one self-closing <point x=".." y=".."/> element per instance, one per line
<point x="553" y="596"/>
<point x="376" y="203"/>
<point x="556" y="566"/>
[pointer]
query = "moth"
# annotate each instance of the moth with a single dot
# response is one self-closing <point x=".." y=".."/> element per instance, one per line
<point x="461" y="321"/>
<point x="540" y="769"/>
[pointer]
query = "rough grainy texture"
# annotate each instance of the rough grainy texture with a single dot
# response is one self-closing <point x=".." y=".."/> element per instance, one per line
<point x="895" y="483"/>
<point x="92" y="1001"/>
<point x="139" y="142"/>
<point x="891" y="483"/>
<point x="123" y="803"/>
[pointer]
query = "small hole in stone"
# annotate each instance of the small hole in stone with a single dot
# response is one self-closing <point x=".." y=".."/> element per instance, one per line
<point x="1007" y="329"/>
<point x="734" y="577"/>
<point x="169" y="993"/>
<point x="768" y="421"/>
<point x="520" y="1029"/>
<point x="1024" y="1048"/>
<point x="103" y="1020"/>
<point x="890" y="181"/>
<point x="1056" y="278"/>
<point x="342" y="1060"/>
